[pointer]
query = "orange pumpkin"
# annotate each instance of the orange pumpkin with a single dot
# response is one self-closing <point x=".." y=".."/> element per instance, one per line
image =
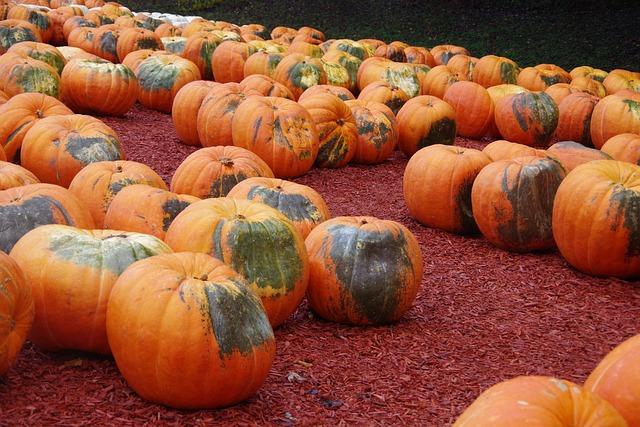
<point x="589" y="85"/>
<point x="343" y="284"/>
<point x="38" y="18"/>
<point x="624" y="147"/>
<point x="438" y="80"/>
<point x="512" y="202"/>
<point x="135" y="58"/>
<point x="227" y="61"/>
<point x="492" y="70"/>
<point x="41" y="52"/>
<point x="505" y="150"/>
<point x="385" y="93"/>
<point x="425" y="120"/>
<point x="497" y="93"/>
<point x="266" y="86"/>
<point x="377" y="131"/>
<point x="255" y="240"/>
<point x="572" y="154"/>
<point x="98" y="183"/>
<point x="58" y="18"/>
<point x="462" y="66"/>
<point x="16" y="311"/>
<point x="255" y="29"/>
<point x="263" y="63"/>
<point x="83" y="38"/>
<point x="15" y="176"/>
<point x="279" y="31"/>
<point x="70" y="52"/>
<point x="560" y="91"/>
<point x="618" y="80"/>
<point x="349" y="62"/>
<point x="437" y="186"/>
<point x="397" y="74"/>
<point x="587" y="71"/>
<point x="76" y="22"/>
<point x="175" y="45"/>
<point x="20" y="73"/>
<point x="594" y="218"/>
<point x="132" y="39"/>
<point x="312" y="33"/>
<point x="613" y="115"/>
<point x="419" y="55"/>
<point x="186" y="105"/>
<point x="443" y="53"/>
<point x="473" y="106"/>
<point x="391" y="52"/>
<point x="298" y="73"/>
<point x="529" y="118"/>
<point x="574" y="118"/>
<point x="225" y="357"/>
<point x="199" y="49"/>
<point x="343" y="93"/>
<point x="540" y="78"/>
<point x="105" y="41"/>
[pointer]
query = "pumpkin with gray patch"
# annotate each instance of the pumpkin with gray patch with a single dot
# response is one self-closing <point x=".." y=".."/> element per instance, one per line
<point x="187" y="332"/>
<point x="132" y="39"/>
<point x="71" y="272"/>
<point x="377" y="131"/>
<point x="20" y="73"/>
<point x="363" y="270"/>
<point x="528" y="118"/>
<point x="42" y="52"/>
<point x="298" y="73"/>
<point x="56" y="148"/>
<point x="14" y="31"/>
<point x="425" y="120"/>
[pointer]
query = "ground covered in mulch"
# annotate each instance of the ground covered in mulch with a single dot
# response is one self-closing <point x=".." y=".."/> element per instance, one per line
<point x="482" y="315"/>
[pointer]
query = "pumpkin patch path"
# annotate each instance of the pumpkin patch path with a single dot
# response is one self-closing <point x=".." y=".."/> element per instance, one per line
<point x="482" y="315"/>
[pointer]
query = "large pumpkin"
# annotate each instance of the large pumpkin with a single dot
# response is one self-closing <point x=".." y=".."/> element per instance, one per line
<point x="613" y="115"/>
<point x="104" y="42"/>
<point x="618" y="80"/>
<point x="437" y="186"/>
<point x="227" y="61"/>
<point x="397" y="74"/>
<point x="595" y="218"/>
<point x="473" y="106"/>
<point x="20" y="73"/>
<point x="572" y="154"/>
<point x="280" y="131"/>
<point x="512" y="202"/>
<point x="16" y="311"/>
<point x="135" y="58"/>
<point x="529" y="118"/>
<point x="71" y="273"/>
<point x="14" y="31"/>
<point x="425" y="120"/>
<point x="539" y="401"/>
<point x="186" y="105"/>
<point x="624" y="147"/>
<point x="302" y="205"/>
<point x="437" y="81"/>
<point x="31" y="206"/>
<point x="15" y="176"/>
<point x="377" y="131"/>
<point x="616" y="379"/>
<point x="42" y="52"/>
<point x="228" y="350"/>
<point x="574" y="118"/>
<point x="56" y="148"/>
<point x="18" y="116"/>
<point x="97" y="184"/>
<point x="381" y="91"/>
<point x="492" y="70"/>
<point x="298" y="73"/>
<point x="213" y="171"/>
<point x="199" y="49"/>
<point x="363" y="270"/>
<point x="255" y="240"/>
<point x="99" y="86"/>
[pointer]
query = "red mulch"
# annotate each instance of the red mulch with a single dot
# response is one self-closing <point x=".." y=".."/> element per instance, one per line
<point x="483" y="315"/>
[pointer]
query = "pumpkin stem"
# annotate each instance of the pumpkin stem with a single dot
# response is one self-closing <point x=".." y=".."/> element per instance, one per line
<point x="363" y="222"/>
<point x="118" y="169"/>
<point x="240" y="216"/>
<point x="226" y="161"/>
<point x="204" y="278"/>
<point x="39" y="114"/>
<point x="340" y="122"/>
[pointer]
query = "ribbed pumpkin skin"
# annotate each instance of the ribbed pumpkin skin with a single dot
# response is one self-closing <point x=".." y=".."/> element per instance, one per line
<point x="99" y="86"/>
<point x="364" y="270"/>
<point x="437" y="186"/>
<point x="337" y="132"/>
<point x="255" y="240"/>
<point x="618" y="80"/>
<point x="214" y="171"/>
<point x="574" y="119"/>
<point x="161" y="77"/>
<point x="42" y="52"/>
<point x="343" y="93"/>
<point x="263" y="63"/>
<point x="131" y="39"/>
<point x="462" y="66"/>
<point x="186" y="105"/>
<point x="56" y="148"/>
<point x="144" y="209"/>
<point x="386" y="93"/>
<point x="595" y="218"/>
<point x="266" y="86"/>
<point x="20" y="73"/>
<point x="302" y="205"/>
<point x="225" y="357"/>
<point x="617" y="380"/>
<point x="71" y="273"/>
<point x="74" y="22"/>
<point x="613" y="115"/>
<point x="377" y="131"/>
<point x="444" y="52"/>
<point x="572" y="154"/>
<point x="536" y="79"/>
<point x="529" y="118"/>
<point x="473" y="106"/>
<point x="97" y="184"/>
<point x="437" y="81"/>
<point x="396" y="74"/>
<point x="624" y="147"/>
<point x="14" y="31"/>
<point x="425" y="120"/>
<point x="227" y="61"/>
<point x="512" y="202"/>
<point x="589" y="85"/>
<point x="350" y="62"/>
<point x="30" y="206"/>
<point x="505" y="150"/>
<point x="497" y="93"/>
<point x="58" y="18"/>
<point x="280" y="131"/>
<point x="84" y="38"/>
<point x="135" y="58"/>
<point x="393" y="53"/>
<point x="199" y="49"/>
<point x="104" y="42"/>
<point x="18" y="116"/>
<point x="15" y="176"/>
<point x="70" y="53"/>
<point x="298" y="73"/>
<point x="547" y="402"/>
<point x="16" y="311"/>
<point x="560" y="91"/>
<point x="492" y="70"/>
<point x="587" y="71"/>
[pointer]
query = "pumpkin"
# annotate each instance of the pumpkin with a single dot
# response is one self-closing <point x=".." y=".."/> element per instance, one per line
<point x="391" y="52"/>
<point x="613" y="115"/>
<point x="255" y="29"/>
<point x="39" y="18"/>
<point x="574" y="118"/>
<point x="3" y="97"/>
<point x="263" y="63"/>
<point x="266" y="86"/>
<point x="437" y="81"/>
<point x="254" y="239"/>
<point x="397" y="74"/>
<point x="437" y="186"/>
<point x="350" y="62"/>
<point x="337" y="75"/>
<point x="84" y="38"/>
<point x="377" y="131"/>
<point x="539" y="401"/>
<point x="363" y="270"/>
<point x="175" y="45"/>
<point x="33" y="205"/>
<point x="572" y="154"/>
<point x="16" y="311"/>
<point x="595" y="218"/>
<point x="69" y="316"/>
<point x="98" y="183"/>
<point x="186" y="105"/>
<point x="529" y="118"/>
<point x="198" y="25"/>
<point x="312" y="33"/>
<point x="505" y="150"/>
<point x="587" y="71"/>
<point x="371" y="44"/>
<point x="135" y="58"/>
<point x="280" y="131"/>
<point x="560" y="91"/>
<point x="589" y="85"/>
<point x="350" y="47"/>
<point x="535" y="79"/>
<point x="343" y="93"/>
<point x="18" y="116"/>
<point x="228" y="59"/>
<point x="512" y="202"/>
<point x="302" y="205"/>
<point x="279" y="31"/>
<point x="385" y="93"/>
<point x="616" y="379"/>
<point x="132" y="39"/>
<point x="225" y="357"/>
<point x="42" y="52"/>
<point x="161" y="77"/>
<point x="425" y="120"/>
<point x="492" y="70"/>
<point x="213" y="171"/>
<point x="99" y="86"/>
<point x="618" y="80"/>
<point x="70" y="52"/>
<point x="20" y="73"/>
<point x="199" y="49"/>
<point x="337" y="131"/>
<point x="624" y="147"/>
<point x="105" y="43"/>
<point x="443" y="53"/>
<point x="298" y="72"/>
<point x="306" y="49"/>
<point x="462" y="66"/>
<point x="15" y="176"/>
<point x="419" y="55"/>
<point x="473" y="106"/>
<point x="216" y="113"/>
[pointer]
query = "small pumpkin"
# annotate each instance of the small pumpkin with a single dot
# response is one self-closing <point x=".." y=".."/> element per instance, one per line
<point x="529" y="118"/>
<point x="587" y="71"/>
<point x="298" y="73"/>
<point x="20" y="73"/>
<point x="574" y="118"/>
<point x="444" y="52"/>
<point x="613" y="115"/>
<point x="397" y="74"/>
<point x="186" y="105"/>
<point x="624" y="147"/>
<point x="76" y="22"/>
<point x="572" y="154"/>
<point x="473" y="106"/>
<point x="377" y="131"/>
<point x="104" y="43"/>
<point x="39" y="18"/>
<point x="15" y="176"/>
<point x="385" y="93"/>
<point x="492" y="70"/>
<point x="84" y="38"/>
<point x="437" y="81"/>
<point x="350" y="62"/>
<point x="391" y="52"/>
<point x="462" y="66"/>
<point x="419" y="55"/>
<point x="135" y="58"/>
<point x="175" y="45"/>
<point x="589" y="85"/>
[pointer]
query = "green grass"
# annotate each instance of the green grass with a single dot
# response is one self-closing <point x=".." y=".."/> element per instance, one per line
<point x="603" y="34"/>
